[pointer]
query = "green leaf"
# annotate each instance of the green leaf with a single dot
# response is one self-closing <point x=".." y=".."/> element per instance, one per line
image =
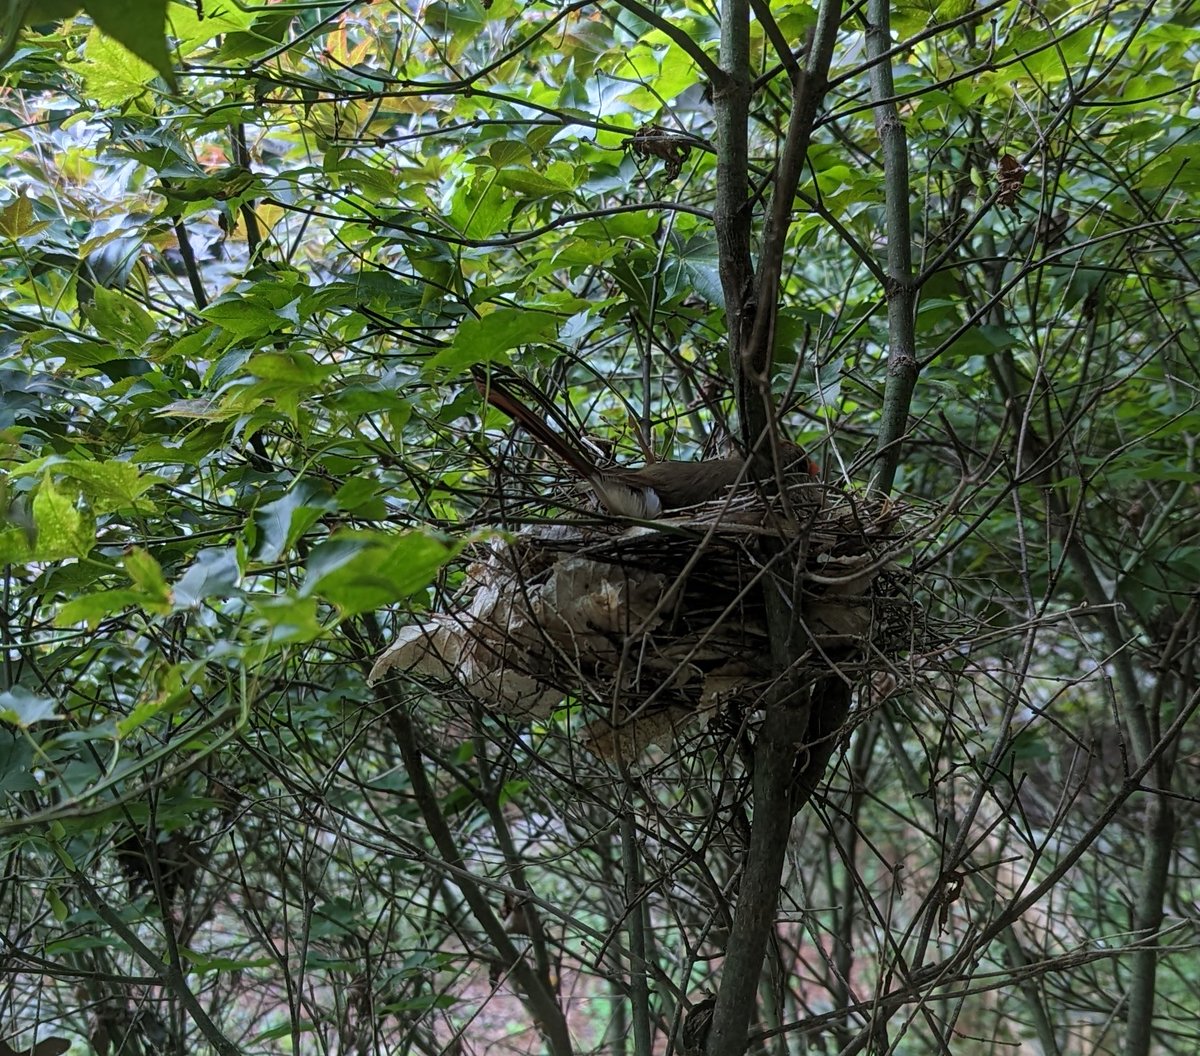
<point x="17" y="218"/>
<point x="265" y="33"/>
<point x="140" y="25"/>
<point x="203" y="409"/>
<point x="213" y="573"/>
<point x="198" y="962"/>
<point x="530" y="184"/>
<point x="982" y="341"/>
<point x="486" y="339"/>
<point x="480" y="208"/>
<point x="192" y="32"/>
<point x="119" y="319"/>
<point x="84" y="352"/>
<point x="244" y="318"/>
<point x="15" y="547"/>
<point x="291" y="368"/>
<point x="142" y="713"/>
<point x="219" y="185"/>
<point x="108" y="486"/>
<point x="82" y="943"/>
<point x="282" y="522"/>
<point x="91" y="609"/>
<point x="421" y="1003"/>
<point x="948" y="10"/>
<point x="285" y="1030"/>
<point x="361" y="495"/>
<point x="289" y="620"/>
<point x="364" y="571"/>
<point x="23" y="708"/>
<point x="636" y="225"/>
<point x="694" y="268"/>
<point x="512" y="791"/>
<point x="146" y="574"/>
<point x="112" y="74"/>
<point x="16" y="762"/>
<point x="504" y="152"/>
<point x="19" y="13"/>
<point x="62" y="529"/>
<point x="59" y="908"/>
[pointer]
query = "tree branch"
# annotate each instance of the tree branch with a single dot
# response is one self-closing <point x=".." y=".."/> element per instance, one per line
<point x="678" y="37"/>
<point x="900" y="289"/>
<point x="751" y="307"/>
<point x="538" y="991"/>
<point x="808" y="89"/>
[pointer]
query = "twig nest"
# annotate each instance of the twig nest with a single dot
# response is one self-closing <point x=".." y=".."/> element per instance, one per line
<point x="647" y="627"/>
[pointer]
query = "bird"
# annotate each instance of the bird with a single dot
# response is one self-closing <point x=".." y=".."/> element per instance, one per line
<point x="645" y="493"/>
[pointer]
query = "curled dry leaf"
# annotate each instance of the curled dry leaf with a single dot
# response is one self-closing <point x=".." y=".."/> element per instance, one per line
<point x="1011" y="177"/>
<point x="654" y="141"/>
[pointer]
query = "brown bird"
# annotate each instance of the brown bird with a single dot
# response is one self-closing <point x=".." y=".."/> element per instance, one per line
<point x="643" y="493"/>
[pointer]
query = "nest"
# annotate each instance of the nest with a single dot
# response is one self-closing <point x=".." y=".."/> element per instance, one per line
<point x="647" y="627"/>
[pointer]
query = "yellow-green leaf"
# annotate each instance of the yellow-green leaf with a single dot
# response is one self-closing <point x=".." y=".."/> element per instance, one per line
<point x="140" y="25"/>
<point x="63" y="530"/>
<point x="112" y="73"/>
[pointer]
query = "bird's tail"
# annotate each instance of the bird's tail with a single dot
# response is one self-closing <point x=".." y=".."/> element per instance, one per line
<point x="498" y="389"/>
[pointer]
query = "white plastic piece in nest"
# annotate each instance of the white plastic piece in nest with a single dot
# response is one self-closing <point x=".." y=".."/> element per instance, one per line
<point x="442" y="651"/>
<point x="629" y="739"/>
<point x="519" y="634"/>
<point x="594" y="600"/>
